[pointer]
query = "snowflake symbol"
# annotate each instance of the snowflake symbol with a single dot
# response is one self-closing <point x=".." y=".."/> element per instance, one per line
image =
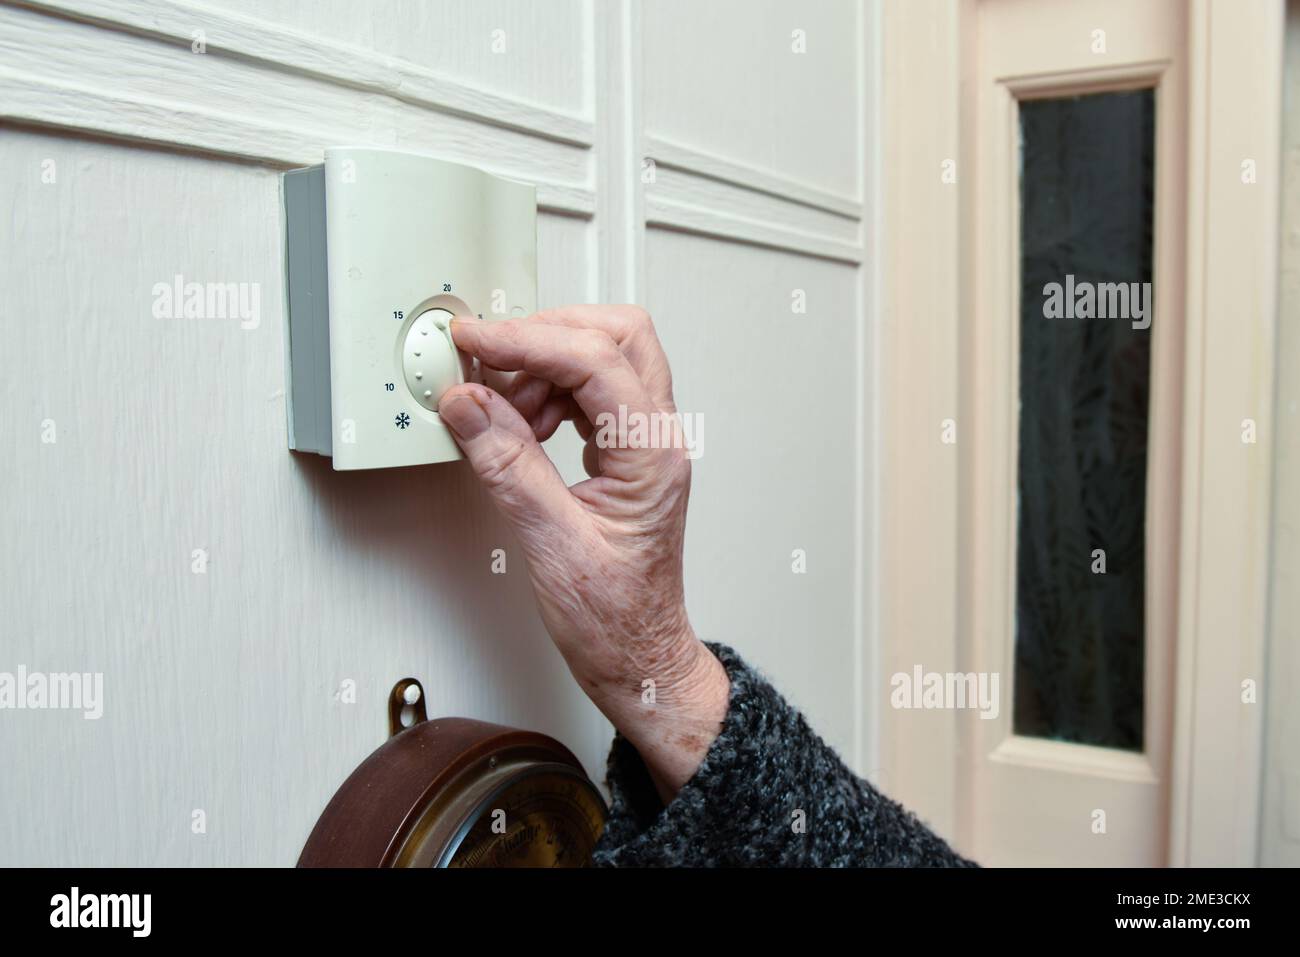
<point x="402" y="420"/>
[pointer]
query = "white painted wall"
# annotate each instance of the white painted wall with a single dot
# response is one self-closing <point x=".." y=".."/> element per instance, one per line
<point x="222" y="688"/>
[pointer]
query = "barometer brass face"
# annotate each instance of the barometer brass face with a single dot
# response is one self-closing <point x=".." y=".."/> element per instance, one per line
<point x="454" y="792"/>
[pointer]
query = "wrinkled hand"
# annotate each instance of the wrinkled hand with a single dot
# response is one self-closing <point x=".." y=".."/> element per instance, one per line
<point x="604" y="556"/>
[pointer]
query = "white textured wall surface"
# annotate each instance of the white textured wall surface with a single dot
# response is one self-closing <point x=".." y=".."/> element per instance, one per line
<point x="221" y="688"/>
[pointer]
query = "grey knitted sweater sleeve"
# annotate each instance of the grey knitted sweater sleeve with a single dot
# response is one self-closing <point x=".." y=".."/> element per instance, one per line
<point x="769" y="792"/>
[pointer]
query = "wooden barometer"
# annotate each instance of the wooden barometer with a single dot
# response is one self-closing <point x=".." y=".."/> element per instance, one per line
<point x="455" y="792"/>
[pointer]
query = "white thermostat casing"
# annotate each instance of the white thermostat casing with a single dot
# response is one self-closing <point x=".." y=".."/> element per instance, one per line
<point x="383" y="248"/>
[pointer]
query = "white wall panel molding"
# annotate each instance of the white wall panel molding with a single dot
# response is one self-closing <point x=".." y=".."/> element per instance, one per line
<point x="689" y="189"/>
<point x="701" y="192"/>
<point x="667" y="153"/>
<point x="140" y="90"/>
<point x="773" y="234"/>
<point x="620" y="221"/>
<point x="47" y="103"/>
<point x="294" y="50"/>
<point x="139" y="80"/>
<point x="866" y="622"/>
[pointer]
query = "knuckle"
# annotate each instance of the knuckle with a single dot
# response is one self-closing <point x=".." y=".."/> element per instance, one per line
<point x="510" y="330"/>
<point x="501" y="469"/>
<point x="672" y="469"/>
<point x="600" y="348"/>
<point x="639" y="318"/>
<point x="679" y="472"/>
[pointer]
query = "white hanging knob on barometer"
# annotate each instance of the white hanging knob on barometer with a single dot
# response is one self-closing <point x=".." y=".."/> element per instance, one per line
<point x="383" y="249"/>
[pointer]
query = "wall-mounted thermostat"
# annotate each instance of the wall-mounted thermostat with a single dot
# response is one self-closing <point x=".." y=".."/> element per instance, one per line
<point x="383" y="248"/>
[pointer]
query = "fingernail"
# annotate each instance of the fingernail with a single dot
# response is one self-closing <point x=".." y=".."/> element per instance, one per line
<point x="460" y="325"/>
<point x="464" y="416"/>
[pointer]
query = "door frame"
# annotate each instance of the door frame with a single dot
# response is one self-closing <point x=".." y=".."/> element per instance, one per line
<point x="928" y="113"/>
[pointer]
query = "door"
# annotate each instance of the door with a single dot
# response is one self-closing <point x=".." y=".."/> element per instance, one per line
<point x="1075" y="387"/>
<point x="1079" y="342"/>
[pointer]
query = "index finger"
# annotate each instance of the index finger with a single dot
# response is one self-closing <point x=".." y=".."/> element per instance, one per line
<point x="630" y="327"/>
<point x="587" y="362"/>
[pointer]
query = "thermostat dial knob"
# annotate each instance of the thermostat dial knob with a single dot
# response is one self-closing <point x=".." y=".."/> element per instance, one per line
<point x="430" y="361"/>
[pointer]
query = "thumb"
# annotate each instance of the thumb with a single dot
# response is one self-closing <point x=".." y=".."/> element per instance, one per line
<point x="504" y="453"/>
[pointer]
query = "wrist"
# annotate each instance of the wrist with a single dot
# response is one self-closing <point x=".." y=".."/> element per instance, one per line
<point x="673" y="713"/>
